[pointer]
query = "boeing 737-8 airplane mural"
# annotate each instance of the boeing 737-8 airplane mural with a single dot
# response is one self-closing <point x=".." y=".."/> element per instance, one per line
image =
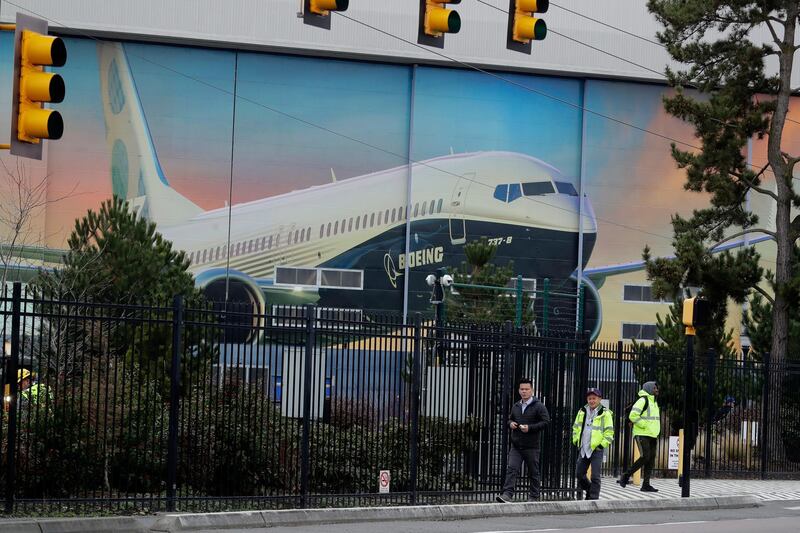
<point x="343" y="244"/>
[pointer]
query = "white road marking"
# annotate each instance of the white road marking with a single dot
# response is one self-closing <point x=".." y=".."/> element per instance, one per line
<point x="680" y="523"/>
<point x="521" y="530"/>
<point x="614" y="526"/>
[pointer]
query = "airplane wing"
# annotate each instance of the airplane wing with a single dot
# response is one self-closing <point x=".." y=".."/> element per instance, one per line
<point x="39" y="254"/>
<point x="598" y="275"/>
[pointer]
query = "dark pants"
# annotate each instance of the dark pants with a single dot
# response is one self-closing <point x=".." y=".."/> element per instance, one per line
<point x="647" y="458"/>
<point x="592" y="487"/>
<point x="515" y="458"/>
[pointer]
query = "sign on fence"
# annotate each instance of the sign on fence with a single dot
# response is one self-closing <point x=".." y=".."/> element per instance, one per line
<point x="674" y="453"/>
<point x="384" y="479"/>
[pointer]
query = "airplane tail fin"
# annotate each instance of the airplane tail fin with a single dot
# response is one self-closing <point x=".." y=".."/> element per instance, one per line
<point x="135" y="171"/>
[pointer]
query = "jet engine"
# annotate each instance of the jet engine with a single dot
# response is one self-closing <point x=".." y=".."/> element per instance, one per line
<point x="238" y="303"/>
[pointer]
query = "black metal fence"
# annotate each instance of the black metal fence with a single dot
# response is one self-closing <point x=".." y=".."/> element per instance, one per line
<point x="208" y="407"/>
<point x="744" y="421"/>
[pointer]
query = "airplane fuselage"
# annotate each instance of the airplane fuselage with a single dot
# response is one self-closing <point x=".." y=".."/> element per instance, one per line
<point x="360" y="224"/>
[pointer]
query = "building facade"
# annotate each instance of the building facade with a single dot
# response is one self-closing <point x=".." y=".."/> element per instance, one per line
<point x="343" y="165"/>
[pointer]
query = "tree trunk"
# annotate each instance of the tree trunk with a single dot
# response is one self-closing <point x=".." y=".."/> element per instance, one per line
<point x="783" y="180"/>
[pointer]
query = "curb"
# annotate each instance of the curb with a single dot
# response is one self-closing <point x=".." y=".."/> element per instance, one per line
<point x="78" y="525"/>
<point x="171" y="523"/>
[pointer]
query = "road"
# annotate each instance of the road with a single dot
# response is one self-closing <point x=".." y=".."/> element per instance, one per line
<point x="772" y="517"/>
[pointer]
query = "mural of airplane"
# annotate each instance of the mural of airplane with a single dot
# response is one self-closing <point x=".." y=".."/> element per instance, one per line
<point x="343" y="244"/>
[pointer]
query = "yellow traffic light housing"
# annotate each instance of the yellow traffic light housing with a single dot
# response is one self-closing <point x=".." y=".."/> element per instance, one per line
<point x="318" y="12"/>
<point x="324" y="7"/>
<point x="37" y="87"/>
<point x="696" y="313"/>
<point x="33" y="87"/>
<point x="435" y="20"/>
<point x="523" y="27"/>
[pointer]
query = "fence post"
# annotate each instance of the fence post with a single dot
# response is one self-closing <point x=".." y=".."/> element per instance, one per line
<point x="416" y="376"/>
<point x="711" y="369"/>
<point x="765" y="414"/>
<point x="305" y="445"/>
<point x="619" y="448"/>
<point x="688" y="405"/>
<point x="518" y="319"/>
<point x="652" y="363"/>
<point x="13" y="367"/>
<point x="546" y="306"/>
<point x="174" y="399"/>
<point x="505" y="398"/>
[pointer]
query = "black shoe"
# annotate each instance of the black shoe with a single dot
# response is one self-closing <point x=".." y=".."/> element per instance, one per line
<point x="623" y="481"/>
<point x="504" y="498"/>
<point x="647" y="487"/>
<point x="532" y="499"/>
<point x="593" y="497"/>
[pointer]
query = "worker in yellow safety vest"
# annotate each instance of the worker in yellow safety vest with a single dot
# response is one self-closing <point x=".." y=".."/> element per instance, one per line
<point x="646" y="419"/>
<point x="592" y="432"/>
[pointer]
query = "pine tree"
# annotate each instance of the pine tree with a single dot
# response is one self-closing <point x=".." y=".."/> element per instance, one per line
<point x="738" y="101"/>
<point x="116" y="256"/>
<point x="475" y="303"/>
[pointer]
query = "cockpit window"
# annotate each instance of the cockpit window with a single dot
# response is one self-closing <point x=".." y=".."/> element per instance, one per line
<point x="565" y="187"/>
<point x="537" y="188"/>
<point x="514" y="192"/>
<point x="501" y="192"/>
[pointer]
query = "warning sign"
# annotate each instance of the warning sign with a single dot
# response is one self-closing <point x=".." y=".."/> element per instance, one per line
<point x="674" y="453"/>
<point x="383" y="481"/>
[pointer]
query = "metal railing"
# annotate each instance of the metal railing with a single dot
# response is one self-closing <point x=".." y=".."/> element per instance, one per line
<point x="213" y="407"/>
<point x="739" y="427"/>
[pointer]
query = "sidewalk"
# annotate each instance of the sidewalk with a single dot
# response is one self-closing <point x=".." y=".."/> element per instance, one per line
<point x="706" y="494"/>
<point x="764" y="490"/>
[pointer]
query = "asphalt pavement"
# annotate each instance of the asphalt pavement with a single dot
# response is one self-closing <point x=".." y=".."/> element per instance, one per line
<point x="771" y="517"/>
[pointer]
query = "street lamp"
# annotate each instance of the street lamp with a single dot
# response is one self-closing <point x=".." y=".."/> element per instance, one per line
<point x="438" y="281"/>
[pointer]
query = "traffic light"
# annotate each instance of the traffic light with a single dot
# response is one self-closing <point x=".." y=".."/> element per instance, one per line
<point x="33" y="87"/>
<point x="318" y="12"/>
<point x="696" y="313"/>
<point x="435" y="20"/>
<point x="523" y="27"/>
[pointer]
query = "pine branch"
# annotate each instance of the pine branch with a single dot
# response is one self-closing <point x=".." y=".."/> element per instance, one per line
<point x="742" y="234"/>
<point x="764" y="293"/>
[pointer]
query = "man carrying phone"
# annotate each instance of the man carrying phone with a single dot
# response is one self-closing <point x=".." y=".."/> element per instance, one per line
<point x="528" y="418"/>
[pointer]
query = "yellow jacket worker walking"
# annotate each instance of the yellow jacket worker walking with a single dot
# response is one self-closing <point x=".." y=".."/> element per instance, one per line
<point x="592" y="432"/>
<point x="646" y="418"/>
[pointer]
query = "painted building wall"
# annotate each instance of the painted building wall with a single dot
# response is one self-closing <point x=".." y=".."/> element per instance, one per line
<point x="322" y="140"/>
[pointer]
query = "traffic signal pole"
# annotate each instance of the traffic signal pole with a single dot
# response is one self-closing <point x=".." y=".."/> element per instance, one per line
<point x="688" y="404"/>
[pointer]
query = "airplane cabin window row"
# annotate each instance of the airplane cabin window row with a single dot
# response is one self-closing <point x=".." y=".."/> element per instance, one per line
<point x="370" y="220"/>
<point x="346" y="225"/>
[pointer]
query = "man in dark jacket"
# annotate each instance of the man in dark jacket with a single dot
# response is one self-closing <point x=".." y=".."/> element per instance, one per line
<point x="528" y="418"/>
